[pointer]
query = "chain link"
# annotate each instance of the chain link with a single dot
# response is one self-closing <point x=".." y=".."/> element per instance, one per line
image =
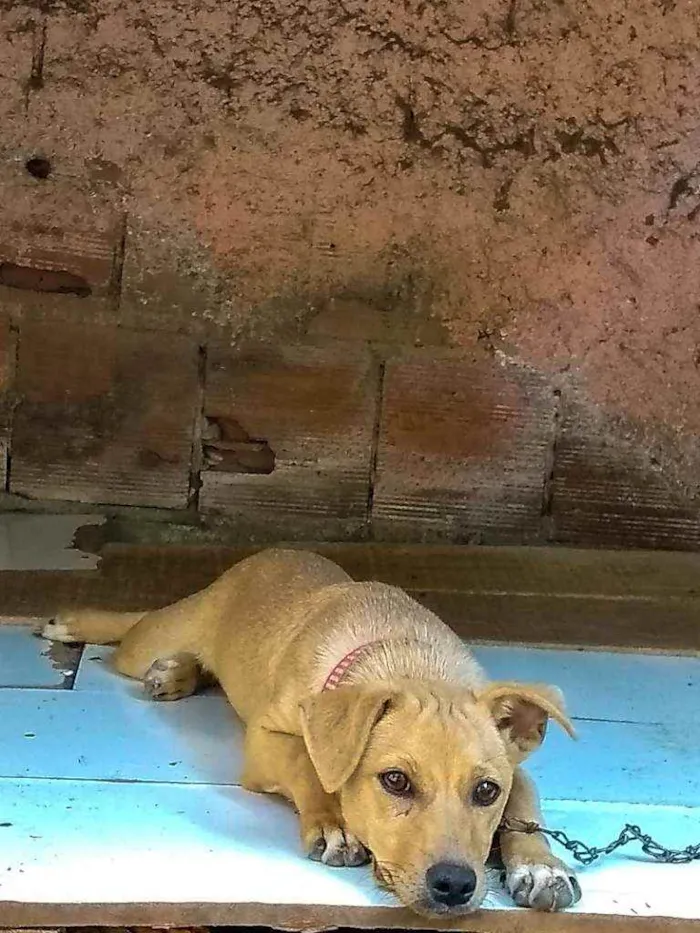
<point x="588" y="854"/>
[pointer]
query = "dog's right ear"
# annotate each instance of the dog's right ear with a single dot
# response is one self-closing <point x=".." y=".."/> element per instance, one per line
<point x="336" y="726"/>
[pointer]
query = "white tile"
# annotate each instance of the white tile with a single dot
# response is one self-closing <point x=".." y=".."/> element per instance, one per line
<point x="124" y="832"/>
<point x="615" y="762"/>
<point x="612" y="686"/>
<point x="28" y="661"/>
<point x="624" y="686"/>
<point x="95" y="672"/>
<point x="630" y="881"/>
<point x="159" y="842"/>
<point x="118" y="736"/>
<point x="610" y="761"/>
<point x="121" y="735"/>
<point x="44" y="542"/>
<point x="162" y="843"/>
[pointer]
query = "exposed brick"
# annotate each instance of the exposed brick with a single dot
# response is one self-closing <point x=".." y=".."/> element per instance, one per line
<point x="61" y="241"/>
<point x="60" y="247"/>
<point x="610" y="490"/>
<point x="104" y="416"/>
<point x="99" y="92"/>
<point x="315" y="411"/>
<point x="390" y="319"/>
<point x="462" y="451"/>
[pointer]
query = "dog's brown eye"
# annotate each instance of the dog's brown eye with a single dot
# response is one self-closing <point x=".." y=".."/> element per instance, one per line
<point x="486" y="793"/>
<point x="395" y="782"/>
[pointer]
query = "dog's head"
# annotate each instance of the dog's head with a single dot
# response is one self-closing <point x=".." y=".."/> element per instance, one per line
<point x="424" y="773"/>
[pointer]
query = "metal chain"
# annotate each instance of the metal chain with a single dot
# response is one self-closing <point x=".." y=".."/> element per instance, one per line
<point x="588" y="854"/>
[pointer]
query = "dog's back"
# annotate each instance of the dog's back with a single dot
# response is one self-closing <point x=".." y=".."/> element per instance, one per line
<point x="237" y="628"/>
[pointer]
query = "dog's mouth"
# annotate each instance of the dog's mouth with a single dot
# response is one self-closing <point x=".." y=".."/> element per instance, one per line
<point x="417" y="899"/>
<point x="382" y="874"/>
<point x="429" y="909"/>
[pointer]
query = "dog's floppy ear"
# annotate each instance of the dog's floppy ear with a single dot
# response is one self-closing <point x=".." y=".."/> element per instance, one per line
<point x="521" y="712"/>
<point x="336" y="726"/>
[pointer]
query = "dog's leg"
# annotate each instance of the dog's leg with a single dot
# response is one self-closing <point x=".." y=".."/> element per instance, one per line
<point x="96" y="626"/>
<point x="159" y="648"/>
<point x="534" y="877"/>
<point x="277" y="763"/>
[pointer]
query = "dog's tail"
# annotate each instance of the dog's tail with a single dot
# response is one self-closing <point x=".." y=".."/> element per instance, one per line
<point x="94" y="626"/>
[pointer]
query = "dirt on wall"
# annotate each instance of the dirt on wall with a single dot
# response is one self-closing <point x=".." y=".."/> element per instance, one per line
<point x="522" y="172"/>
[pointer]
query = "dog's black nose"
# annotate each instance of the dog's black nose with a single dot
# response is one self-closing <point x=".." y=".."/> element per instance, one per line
<point x="451" y="884"/>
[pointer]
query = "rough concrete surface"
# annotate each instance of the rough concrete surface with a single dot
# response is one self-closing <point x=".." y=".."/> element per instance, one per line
<point x="524" y="168"/>
<point x="519" y="175"/>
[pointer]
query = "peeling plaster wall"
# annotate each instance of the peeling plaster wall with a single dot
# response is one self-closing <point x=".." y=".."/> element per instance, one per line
<point x="513" y="177"/>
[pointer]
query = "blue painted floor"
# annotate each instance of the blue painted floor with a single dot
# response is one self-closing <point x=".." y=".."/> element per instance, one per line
<point x="96" y="779"/>
<point x="27" y="662"/>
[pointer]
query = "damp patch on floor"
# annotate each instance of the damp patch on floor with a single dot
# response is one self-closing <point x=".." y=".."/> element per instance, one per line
<point x="97" y="781"/>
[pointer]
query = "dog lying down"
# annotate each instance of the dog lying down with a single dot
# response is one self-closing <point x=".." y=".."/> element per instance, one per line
<point x="366" y="712"/>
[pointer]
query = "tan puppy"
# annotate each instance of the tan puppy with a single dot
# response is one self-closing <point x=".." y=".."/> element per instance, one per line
<point x="367" y="713"/>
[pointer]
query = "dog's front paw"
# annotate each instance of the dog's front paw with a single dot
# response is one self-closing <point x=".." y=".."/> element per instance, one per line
<point x="172" y="678"/>
<point x="333" y="845"/>
<point x="543" y="887"/>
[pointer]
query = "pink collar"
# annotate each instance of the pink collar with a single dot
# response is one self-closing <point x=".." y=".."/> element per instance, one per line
<point x="335" y="677"/>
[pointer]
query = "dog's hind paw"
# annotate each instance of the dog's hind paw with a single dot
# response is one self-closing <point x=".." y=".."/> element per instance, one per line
<point x="60" y="629"/>
<point x="334" y="846"/>
<point x="543" y="887"/>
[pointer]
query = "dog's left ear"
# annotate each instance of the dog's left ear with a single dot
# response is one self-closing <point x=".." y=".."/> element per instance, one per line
<point x="521" y="712"/>
<point x="336" y="726"/>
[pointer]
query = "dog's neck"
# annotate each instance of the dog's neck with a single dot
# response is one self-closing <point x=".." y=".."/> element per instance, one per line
<point x="344" y="666"/>
<point x="382" y="636"/>
<point x="337" y="674"/>
<point x="404" y="657"/>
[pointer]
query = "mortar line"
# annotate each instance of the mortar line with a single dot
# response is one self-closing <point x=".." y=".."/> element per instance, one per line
<point x="14" y="370"/>
<point x="374" y="449"/>
<point x="197" y="450"/>
<point x="119" y="258"/>
<point x="550" y="469"/>
<point x="35" y="81"/>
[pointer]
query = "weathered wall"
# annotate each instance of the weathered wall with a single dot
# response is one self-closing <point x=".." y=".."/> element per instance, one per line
<point x="510" y="186"/>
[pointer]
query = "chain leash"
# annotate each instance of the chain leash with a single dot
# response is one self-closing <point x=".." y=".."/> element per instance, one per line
<point x="588" y="854"/>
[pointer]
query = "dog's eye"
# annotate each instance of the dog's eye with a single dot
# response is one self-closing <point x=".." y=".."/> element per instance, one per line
<point x="395" y="782"/>
<point x="486" y="793"/>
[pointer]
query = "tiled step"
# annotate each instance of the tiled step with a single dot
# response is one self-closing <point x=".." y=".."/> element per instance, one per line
<point x="142" y="797"/>
<point x="155" y="852"/>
